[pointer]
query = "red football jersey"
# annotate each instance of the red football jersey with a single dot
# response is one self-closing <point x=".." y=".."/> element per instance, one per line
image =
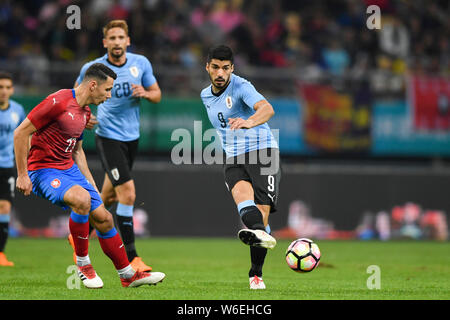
<point x="59" y="121"/>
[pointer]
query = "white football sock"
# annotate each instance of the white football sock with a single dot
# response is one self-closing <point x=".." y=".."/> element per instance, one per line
<point x="126" y="272"/>
<point x="83" y="261"/>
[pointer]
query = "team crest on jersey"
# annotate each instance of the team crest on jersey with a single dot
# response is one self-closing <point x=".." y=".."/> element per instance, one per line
<point x="15" y="117"/>
<point x="134" y="71"/>
<point x="115" y="174"/>
<point x="229" y="102"/>
<point x="55" y="183"/>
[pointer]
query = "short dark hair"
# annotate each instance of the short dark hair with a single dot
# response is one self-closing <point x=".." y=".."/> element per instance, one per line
<point x="6" y="75"/>
<point x="115" y="24"/>
<point x="220" y="52"/>
<point x="100" y="72"/>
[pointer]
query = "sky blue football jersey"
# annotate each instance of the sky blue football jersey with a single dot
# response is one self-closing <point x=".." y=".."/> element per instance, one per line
<point x="237" y="101"/>
<point x="118" y="116"/>
<point x="10" y="119"/>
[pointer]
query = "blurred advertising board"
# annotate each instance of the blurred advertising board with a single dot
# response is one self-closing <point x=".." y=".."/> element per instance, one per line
<point x="429" y="98"/>
<point x="288" y="121"/>
<point x="158" y="122"/>
<point x="416" y="126"/>
<point x="322" y="121"/>
<point x="336" y="121"/>
<point x="394" y="133"/>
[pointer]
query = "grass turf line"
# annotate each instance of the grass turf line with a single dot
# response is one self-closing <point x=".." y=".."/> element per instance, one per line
<point x="217" y="269"/>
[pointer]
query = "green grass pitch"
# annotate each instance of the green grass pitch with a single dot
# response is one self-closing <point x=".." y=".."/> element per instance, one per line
<point x="216" y="269"/>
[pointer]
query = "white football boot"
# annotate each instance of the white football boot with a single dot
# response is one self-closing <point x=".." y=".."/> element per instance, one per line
<point x="140" y="278"/>
<point x="256" y="283"/>
<point x="257" y="238"/>
<point x="89" y="277"/>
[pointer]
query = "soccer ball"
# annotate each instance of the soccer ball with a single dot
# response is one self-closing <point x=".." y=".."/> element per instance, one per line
<point x="303" y="255"/>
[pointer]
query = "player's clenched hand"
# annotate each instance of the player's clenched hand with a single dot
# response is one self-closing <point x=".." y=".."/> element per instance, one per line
<point x="24" y="185"/>
<point x="239" y="123"/>
<point x="92" y="122"/>
<point x="138" y="91"/>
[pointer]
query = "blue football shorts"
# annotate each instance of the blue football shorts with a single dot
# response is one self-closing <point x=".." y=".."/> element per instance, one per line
<point x="52" y="184"/>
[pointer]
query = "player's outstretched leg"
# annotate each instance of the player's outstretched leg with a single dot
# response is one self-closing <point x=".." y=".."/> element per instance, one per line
<point x="255" y="235"/>
<point x="113" y="247"/>
<point x="124" y="195"/>
<point x="257" y="256"/>
<point x="124" y="214"/>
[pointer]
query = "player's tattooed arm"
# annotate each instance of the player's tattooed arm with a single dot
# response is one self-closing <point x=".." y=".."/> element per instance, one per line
<point x="264" y="111"/>
<point x="79" y="157"/>
<point x="151" y="93"/>
<point x="21" y="148"/>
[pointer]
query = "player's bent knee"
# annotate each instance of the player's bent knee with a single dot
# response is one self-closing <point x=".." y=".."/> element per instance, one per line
<point x="127" y="197"/>
<point x="241" y="191"/>
<point x="112" y="199"/>
<point x="102" y="219"/>
<point x="84" y="203"/>
<point x="126" y="192"/>
<point x="78" y="199"/>
<point x="5" y="207"/>
<point x="108" y="194"/>
<point x="108" y="220"/>
<point x="109" y="201"/>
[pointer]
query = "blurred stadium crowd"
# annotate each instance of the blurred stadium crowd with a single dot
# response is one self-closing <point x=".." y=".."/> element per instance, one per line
<point x="315" y="35"/>
<point x="276" y="43"/>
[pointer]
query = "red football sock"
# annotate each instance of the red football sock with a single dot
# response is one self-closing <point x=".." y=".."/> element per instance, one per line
<point x="113" y="247"/>
<point x="79" y="228"/>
